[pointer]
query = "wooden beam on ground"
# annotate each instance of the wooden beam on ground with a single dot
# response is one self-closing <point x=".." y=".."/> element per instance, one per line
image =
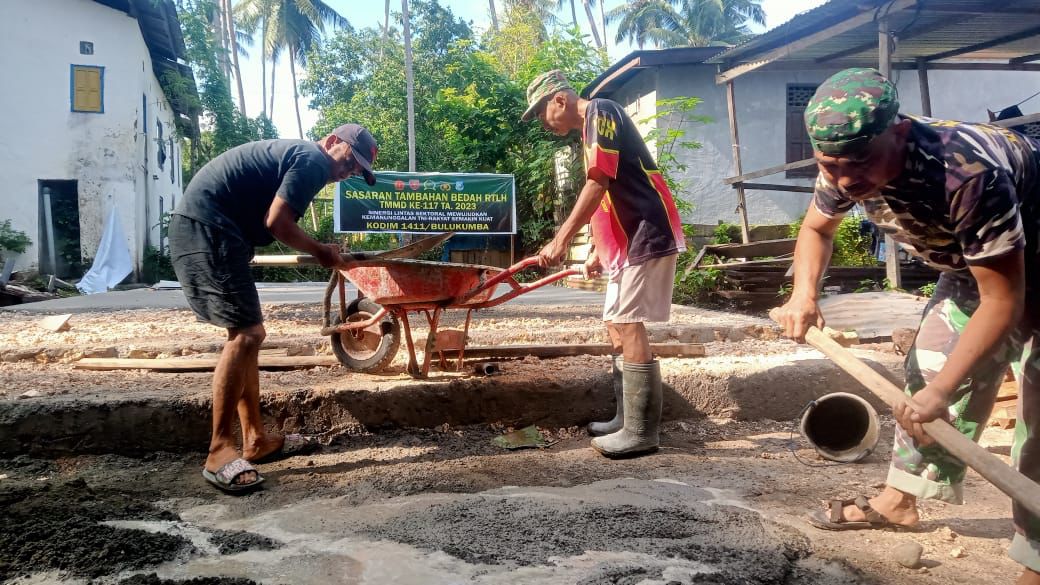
<point x="554" y="351"/>
<point x="201" y="364"/>
<point x="801" y="164"/>
<point x="1025" y="34"/>
<point x="775" y="187"/>
<point x="863" y="18"/>
<point x="731" y="102"/>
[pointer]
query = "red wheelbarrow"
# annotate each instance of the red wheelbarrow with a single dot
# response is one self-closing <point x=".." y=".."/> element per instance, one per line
<point x="366" y="332"/>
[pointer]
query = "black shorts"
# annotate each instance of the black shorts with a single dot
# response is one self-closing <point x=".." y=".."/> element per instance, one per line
<point x="213" y="269"/>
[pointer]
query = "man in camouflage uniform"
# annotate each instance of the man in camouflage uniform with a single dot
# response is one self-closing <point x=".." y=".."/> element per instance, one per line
<point x="965" y="198"/>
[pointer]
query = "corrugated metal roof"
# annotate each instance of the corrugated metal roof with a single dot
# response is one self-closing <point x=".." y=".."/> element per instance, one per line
<point x="625" y="68"/>
<point x="928" y="31"/>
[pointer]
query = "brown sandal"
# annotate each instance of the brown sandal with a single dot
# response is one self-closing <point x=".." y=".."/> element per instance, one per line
<point x="836" y="519"/>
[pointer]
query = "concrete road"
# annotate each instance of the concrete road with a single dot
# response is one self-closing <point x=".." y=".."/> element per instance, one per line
<point x="301" y="293"/>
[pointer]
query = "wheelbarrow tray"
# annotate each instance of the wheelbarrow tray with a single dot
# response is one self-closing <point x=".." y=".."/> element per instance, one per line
<point x="419" y="282"/>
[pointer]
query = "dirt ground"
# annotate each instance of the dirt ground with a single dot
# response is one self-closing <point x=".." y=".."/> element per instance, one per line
<point x="722" y="502"/>
<point x="53" y="508"/>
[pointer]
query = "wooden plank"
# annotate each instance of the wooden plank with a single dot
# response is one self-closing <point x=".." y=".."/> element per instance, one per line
<point x="780" y="263"/>
<point x="1024" y="59"/>
<point x="551" y="351"/>
<point x="731" y="103"/>
<point x="753" y="249"/>
<point x="1019" y="121"/>
<point x="885" y="66"/>
<point x="775" y="187"/>
<point x="801" y="164"/>
<point x="863" y="18"/>
<point x="201" y="364"/>
<point x="922" y="80"/>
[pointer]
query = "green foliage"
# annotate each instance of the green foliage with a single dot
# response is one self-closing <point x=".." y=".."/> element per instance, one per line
<point x="693" y="286"/>
<point x="726" y="233"/>
<point x="226" y="127"/>
<point x="927" y="290"/>
<point x="669" y="134"/>
<point x="468" y="97"/>
<point x="156" y="266"/>
<point x="851" y="247"/>
<point x="12" y="240"/>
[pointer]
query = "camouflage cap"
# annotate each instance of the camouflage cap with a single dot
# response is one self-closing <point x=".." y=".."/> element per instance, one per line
<point x="541" y="89"/>
<point x="849" y="109"/>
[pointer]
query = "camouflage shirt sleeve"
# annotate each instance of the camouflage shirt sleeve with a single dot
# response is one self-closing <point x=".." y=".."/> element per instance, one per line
<point x="828" y="200"/>
<point x="985" y="214"/>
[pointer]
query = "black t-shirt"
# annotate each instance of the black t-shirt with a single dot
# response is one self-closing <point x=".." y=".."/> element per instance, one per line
<point x="234" y="191"/>
<point x="637" y="219"/>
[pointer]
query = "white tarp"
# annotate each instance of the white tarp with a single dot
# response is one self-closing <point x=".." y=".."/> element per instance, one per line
<point x="112" y="263"/>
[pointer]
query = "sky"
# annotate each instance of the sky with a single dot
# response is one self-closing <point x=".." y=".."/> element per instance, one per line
<point x="370" y="14"/>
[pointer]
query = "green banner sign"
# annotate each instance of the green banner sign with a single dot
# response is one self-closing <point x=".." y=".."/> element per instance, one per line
<point x="427" y="202"/>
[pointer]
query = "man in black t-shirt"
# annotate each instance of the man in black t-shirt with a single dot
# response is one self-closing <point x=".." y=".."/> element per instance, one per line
<point x="250" y="196"/>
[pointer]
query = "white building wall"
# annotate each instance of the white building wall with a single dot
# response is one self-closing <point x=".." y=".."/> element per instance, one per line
<point x="103" y="152"/>
<point x="761" y="108"/>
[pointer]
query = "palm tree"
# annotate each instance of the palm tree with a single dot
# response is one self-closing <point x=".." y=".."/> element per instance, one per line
<point x="638" y="21"/>
<point x="232" y="34"/>
<point x="592" y="22"/>
<point x="574" y="11"/>
<point x="494" y="15"/>
<point x="293" y="26"/>
<point x="686" y="23"/>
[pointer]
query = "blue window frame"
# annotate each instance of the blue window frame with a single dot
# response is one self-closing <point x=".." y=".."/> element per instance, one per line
<point x="87" y="89"/>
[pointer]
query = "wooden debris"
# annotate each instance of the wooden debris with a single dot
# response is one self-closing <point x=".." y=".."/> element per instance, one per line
<point x="55" y="323"/>
<point x="844" y="338"/>
<point x="201" y="364"/>
<point x="903" y="339"/>
<point x="665" y="350"/>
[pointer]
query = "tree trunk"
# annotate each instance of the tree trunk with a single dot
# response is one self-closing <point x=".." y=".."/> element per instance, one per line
<point x="274" y="64"/>
<point x="411" y="84"/>
<point x="295" y="92"/>
<point x="230" y="18"/>
<point x="223" y="41"/>
<point x="592" y="23"/>
<point x="263" y="65"/>
<point x="386" y="28"/>
<point x="494" y="16"/>
<point x="574" y="14"/>
<point x="603" y="23"/>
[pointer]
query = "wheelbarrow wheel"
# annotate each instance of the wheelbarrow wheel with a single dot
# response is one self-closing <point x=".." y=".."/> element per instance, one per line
<point x="370" y="349"/>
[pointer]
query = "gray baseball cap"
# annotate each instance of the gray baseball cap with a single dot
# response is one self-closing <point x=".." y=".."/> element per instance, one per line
<point x="362" y="146"/>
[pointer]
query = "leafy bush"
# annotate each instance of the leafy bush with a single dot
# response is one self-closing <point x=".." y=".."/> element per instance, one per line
<point x="12" y="240"/>
<point x="927" y="290"/>
<point x="851" y="246"/>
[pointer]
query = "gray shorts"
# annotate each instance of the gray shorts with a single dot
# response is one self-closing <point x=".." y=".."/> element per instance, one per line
<point x="213" y="269"/>
<point x="641" y="293"/>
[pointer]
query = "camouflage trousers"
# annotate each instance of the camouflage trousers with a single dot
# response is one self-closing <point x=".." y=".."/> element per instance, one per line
<point x="930" y="471"/>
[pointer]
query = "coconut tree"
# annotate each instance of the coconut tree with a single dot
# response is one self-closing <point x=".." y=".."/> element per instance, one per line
<point x="292" y="26"/>
<point x="686" y="23"/>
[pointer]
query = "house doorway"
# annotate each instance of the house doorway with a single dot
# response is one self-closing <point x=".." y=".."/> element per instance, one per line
<point x="59" y="237"/>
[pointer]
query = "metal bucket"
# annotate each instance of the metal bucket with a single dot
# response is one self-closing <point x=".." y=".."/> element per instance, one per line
<point x="841" y="427"/>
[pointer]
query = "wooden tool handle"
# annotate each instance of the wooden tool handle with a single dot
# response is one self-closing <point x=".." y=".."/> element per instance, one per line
<point x="1021" y="489"/>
